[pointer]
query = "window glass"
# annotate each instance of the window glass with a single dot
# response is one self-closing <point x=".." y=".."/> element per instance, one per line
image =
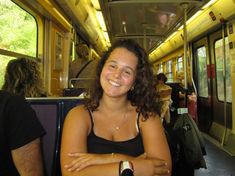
<point x="18" y="34"/>
<point x="18" y="29"/>
<point x="220" y="69"/>
<point x="179" y="64"/>
<point x="3" y="63"/>
<point x="169" y="74"/>
<point x="160" y="68"/>
<point x="202" y="72"/>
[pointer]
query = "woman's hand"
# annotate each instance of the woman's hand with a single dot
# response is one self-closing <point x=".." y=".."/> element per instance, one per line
<point x="160" y="167"/>
<point x="151" y="167"/>
<point x="83" y="160"/>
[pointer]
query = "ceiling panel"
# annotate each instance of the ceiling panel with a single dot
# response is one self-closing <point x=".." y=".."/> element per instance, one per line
<point x="149" y="22"/>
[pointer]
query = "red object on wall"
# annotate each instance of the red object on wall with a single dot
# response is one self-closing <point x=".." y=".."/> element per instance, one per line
<point x="211" y="71"/>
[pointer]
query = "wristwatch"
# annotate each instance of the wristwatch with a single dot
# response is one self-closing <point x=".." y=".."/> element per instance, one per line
<point x="126" y="168"/>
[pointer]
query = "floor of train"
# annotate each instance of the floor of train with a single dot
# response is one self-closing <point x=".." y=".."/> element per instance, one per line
<point x="219" y="162"/>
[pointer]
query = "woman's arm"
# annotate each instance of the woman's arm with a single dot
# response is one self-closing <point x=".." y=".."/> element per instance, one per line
<point x="74" y="151"/>
<point x="74" y="135"/>
<point x="28" y="159"/>
<point x="155" y="142"/>
<point x="74" y="148"/>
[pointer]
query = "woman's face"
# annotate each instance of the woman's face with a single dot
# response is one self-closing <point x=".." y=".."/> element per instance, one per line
<point x="119" y="72"/>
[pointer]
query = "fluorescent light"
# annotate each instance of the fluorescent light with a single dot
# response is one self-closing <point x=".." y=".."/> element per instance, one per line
<point x="96" y="4"/>
<point x="171" y="36"/>
<point x="106" y="36"/>
<point x="61" y="16"/>
<point x="191" y="19"/>
<point x="48" y="2"/>
<point x="100" y="19"/>
<point x="194" y="16"/>
<point x="209" y="4"/>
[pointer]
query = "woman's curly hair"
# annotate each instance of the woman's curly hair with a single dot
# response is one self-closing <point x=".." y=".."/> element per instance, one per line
<point x="143" y="94"/>
<point x="22" y="77"/>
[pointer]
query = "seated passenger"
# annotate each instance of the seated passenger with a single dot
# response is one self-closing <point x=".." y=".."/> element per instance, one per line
<point x="164" y="97"/>
<point x="23" y="77"/>
<point x="117" y="130"/>
<point x="20" y="132"/>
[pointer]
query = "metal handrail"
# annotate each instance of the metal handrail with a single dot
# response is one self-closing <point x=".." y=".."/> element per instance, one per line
<point x="79" y="79"/>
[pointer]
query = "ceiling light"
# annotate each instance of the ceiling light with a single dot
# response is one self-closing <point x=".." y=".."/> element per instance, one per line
<point x="96" y="4"/>
<point x="100" y="19"/>
<point x="106" y="36"/>
<point x="209" y="4"/>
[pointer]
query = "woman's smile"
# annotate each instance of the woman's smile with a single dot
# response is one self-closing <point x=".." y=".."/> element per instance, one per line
<point x="114" y="83"/>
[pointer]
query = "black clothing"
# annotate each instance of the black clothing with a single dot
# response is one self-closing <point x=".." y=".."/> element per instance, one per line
<point x="133" y="147"/>
<point x="18" y="127"/>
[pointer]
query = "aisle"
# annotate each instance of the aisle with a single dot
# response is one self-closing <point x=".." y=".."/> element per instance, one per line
<point x="219" y="163"/>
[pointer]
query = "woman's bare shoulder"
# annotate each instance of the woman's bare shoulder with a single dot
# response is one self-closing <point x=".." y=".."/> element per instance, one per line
<point x="78" y="112"/>
<point x="152" y="118"/>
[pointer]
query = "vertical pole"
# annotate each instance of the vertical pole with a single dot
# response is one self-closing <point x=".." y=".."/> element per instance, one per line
<point x="145" y="40"/>
<point x="185" y="6"/>
<point x="224" y="79"/>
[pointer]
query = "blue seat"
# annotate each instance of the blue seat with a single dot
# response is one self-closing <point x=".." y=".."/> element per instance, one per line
<point x="51" y="113"/>
<point x="50" y="118"/>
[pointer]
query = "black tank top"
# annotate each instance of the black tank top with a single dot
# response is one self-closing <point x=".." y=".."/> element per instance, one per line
<point x="133" y="147"/>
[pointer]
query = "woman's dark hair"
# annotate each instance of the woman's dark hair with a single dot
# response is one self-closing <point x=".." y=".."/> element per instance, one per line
<point x="144" y="93"/>
<point x="162" y="76"/>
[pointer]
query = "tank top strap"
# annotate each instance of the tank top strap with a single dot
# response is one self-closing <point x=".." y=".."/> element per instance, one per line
<point x="91" y="117"/>
<point x="137" y="121"/>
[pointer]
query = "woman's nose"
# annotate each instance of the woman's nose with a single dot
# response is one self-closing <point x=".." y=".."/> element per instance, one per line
<point x="117" y="73"/>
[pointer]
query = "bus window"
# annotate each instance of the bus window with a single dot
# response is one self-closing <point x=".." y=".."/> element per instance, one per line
<point x="219" y="70"/>
<point x="3" y="63"/>
<point x="160" y="68"/>
<point x="179" y="64"/>
<point x="202" y="72"/>
<point x="18" y="34"/>
<point x="169" y="74"/>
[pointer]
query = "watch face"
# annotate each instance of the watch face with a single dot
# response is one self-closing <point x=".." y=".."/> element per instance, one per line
<point x="127" y="168"/>
<point x="127" y="172"/>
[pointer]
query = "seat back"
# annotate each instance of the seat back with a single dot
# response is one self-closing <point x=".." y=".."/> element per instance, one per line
<point x="52" y="112"/>
<point x="49" y="116"/>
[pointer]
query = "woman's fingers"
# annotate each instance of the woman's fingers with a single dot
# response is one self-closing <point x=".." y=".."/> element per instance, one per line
<point x="160" y="167"/>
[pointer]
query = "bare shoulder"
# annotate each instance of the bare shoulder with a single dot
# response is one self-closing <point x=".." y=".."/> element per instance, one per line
<point x="78" y="111"/>
<point x="153" y="120"/>
<point x="77" y="122"/>
<point x="77" y="115"/>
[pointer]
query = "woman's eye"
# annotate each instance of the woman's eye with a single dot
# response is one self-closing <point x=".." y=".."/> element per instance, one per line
<point x="127" y="72"/>
<point x="112" y="66"/>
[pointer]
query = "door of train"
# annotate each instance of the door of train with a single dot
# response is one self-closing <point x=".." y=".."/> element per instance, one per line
<point x="213" y="80"/>
<point x="203" y="83"/>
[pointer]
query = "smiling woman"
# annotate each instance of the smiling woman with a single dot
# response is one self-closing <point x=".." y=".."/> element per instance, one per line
<point x="117" y="131"/>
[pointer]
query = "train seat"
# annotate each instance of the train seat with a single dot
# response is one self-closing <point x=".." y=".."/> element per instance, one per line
<point x="51" y="113"/>
<point x="49" y="116"/>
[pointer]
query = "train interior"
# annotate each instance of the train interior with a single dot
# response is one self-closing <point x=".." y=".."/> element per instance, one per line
<point x="191" y="38"/>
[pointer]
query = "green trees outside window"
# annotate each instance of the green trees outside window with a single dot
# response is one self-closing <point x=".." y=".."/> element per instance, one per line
<point x="18" y="34"/>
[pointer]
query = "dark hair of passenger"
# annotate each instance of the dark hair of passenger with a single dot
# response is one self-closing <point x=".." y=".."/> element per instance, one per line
<point x="144" y="93"/>
<point x="22" y="77"/>
<point x="162" y="76"/>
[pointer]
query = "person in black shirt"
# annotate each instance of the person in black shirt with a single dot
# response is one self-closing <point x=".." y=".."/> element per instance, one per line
<point x="20" y="132"/>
